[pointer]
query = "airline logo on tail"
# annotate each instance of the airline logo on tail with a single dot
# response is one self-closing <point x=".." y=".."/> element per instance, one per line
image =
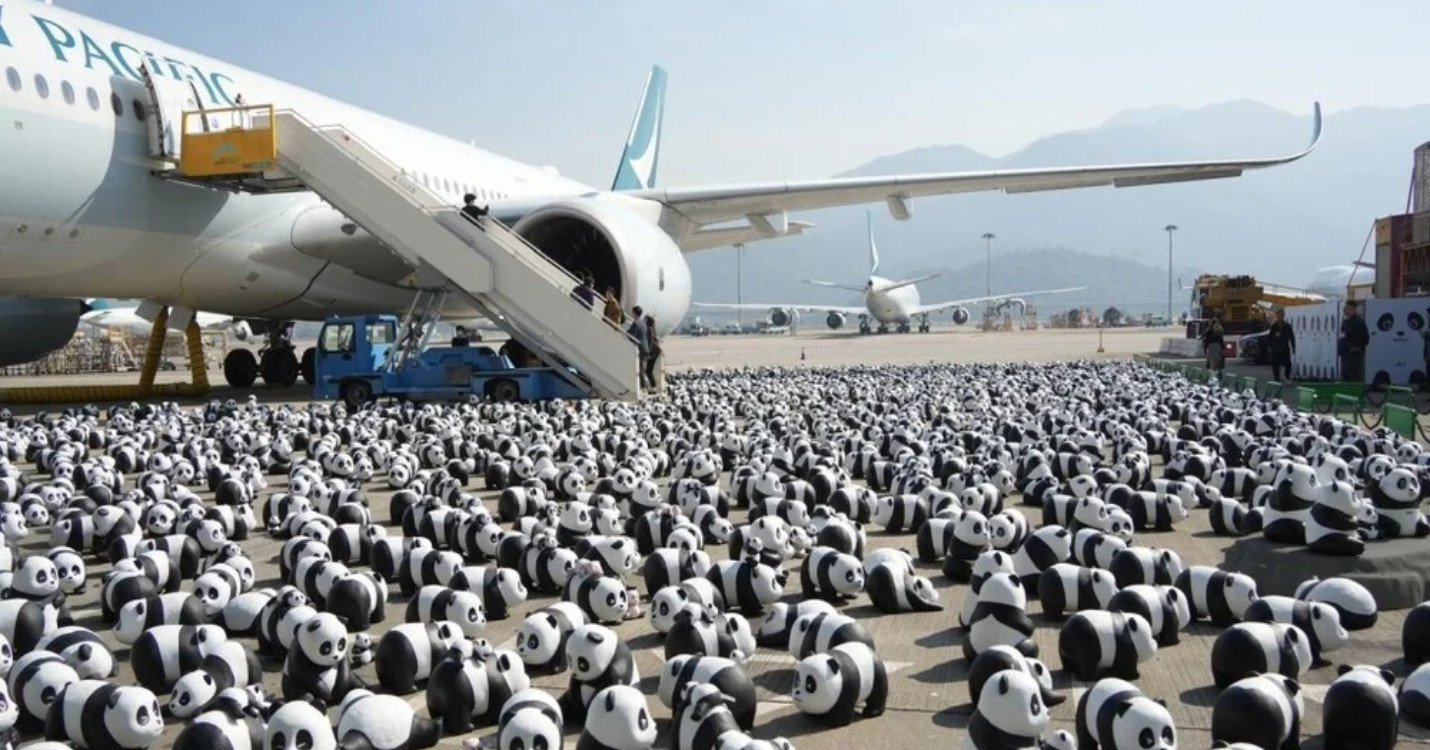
<point x="638" y="162"/>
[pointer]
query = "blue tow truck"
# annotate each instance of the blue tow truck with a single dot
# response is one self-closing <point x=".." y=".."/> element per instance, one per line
<point x="360" y="359"/>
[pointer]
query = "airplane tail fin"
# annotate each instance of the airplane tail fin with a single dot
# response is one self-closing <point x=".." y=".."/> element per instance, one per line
<point x="638" y="161"/>
<point x="873" y="248"/>
<point x="910" y="282"/>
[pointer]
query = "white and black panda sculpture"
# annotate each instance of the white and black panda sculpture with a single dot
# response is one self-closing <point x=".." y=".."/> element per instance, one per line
<point x="370" y="721"/>
<point x="1361" y="710"/>
<point x="618" y="719"/>
<point x="747" y="586"/>
<point x="1249" y="648"/>
<point x="1333" y="526"/>
<point x="1134" y="565"/>
<point x="164" y="654"/>
<point x="1357" y="607"/>
<point x="827" y="573"/>
<point x="1114" y="715"/>
<point x="1065" y="588"/>
<point x="597" y="659"/>
<point x="1165" y="608"/>
<point x="833" y="684"/>
<point x="1009" y="715"/>
<point x="725" y="675"/>
<point x="704" y="721"/>
<point x="529" y="720"/>
<point x="1414" y="696"/>
<point x="435" y="603"/>
<point x="34" y="681"/>
<point x="317" y="667"/>
<point x="228" y="726"/>
<point x="1320" y="622"/>
<point x="1217" y="595"/>
<point x="471" y="683"/>
<point x="1415" y="635"/>
<point x="1044" y="548"/>
<point x="1262" y="710"/>
<point x="1096" y="643"/>
<point x="819" y="631"/>
<point x="99" y="715"/>
<point x="779" y="622"/>
<point x="541" y="638"/>
<point x="894" y="587"/>
<point x="1396" y="497"/>
<point x="1000" y="658"/>
<point x="1000" y="618"/>
<point x="406" y="654"/>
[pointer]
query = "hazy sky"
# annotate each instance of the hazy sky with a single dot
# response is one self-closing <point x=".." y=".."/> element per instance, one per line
<point x="771" y="89"/>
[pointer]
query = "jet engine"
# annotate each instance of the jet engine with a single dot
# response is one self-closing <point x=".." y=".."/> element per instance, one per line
<point x="960" y="315"/>
<point x="781" y="316"/>
<point x="835" y="320"/>
<point x="31" y="327"/>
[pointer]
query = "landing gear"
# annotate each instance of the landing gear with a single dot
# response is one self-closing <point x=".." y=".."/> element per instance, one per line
<point x="240" y="368"/>
<point x="309" y="366"/>
<point x="864" y="329"/>
<point x="904" y="328"/>
<point x="883" y="328"/>
<point x="280" y="366"/>
<point x="923" y="323"/>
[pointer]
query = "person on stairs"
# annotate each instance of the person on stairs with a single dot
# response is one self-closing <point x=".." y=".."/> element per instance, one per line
<point x="641" y="334"/>
<point x="471" y="208"/>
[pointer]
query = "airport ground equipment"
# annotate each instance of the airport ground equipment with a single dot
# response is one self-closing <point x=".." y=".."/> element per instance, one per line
<point x="1243" y="303"/>
<point x="503" y="277"/>
<point x="365" y="357"/>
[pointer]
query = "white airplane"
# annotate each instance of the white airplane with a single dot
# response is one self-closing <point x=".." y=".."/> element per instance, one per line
<point x="128" y="318"/>
<point x="86" y="210"/>
<point x="886" y="302"/>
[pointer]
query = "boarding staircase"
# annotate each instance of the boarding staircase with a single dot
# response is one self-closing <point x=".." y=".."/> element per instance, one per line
<point x="504" y="277"/>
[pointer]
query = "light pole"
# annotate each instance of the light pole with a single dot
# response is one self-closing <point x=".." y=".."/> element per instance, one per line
<point x="1170" y="228"/>
<point x="988" y="238"/>
<point x="739" y="284"/>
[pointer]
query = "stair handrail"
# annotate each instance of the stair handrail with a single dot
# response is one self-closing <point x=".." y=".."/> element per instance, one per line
<point x="562" y="277"/>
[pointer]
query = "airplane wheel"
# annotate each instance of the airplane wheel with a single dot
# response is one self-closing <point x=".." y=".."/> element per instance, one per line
<point x="240" y="368"/>
<point x="280" y="367"/>
<point x="356" y="393"/>
<point x="903" y="329"/>
<point x="503" y="391"/>
<point x="923" y="329"/>
<point x="309" y="366"/>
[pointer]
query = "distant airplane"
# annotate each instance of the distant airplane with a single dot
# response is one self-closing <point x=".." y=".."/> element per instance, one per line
<point x="119" y="315"/>
<point x="886" y="302"/>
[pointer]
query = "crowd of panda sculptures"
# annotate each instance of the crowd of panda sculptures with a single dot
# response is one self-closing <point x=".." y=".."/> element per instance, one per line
<point x="742" y="513"/>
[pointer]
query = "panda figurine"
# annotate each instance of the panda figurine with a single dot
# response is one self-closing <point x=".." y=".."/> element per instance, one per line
<point x="819" y="632"/>
<point x="668" y="567"/>
<point x="893" y="587"/>
<point x="35" y="679"/>
<point x="1095" y="549"/>
<point x="1333" y="525"/>
<point x="1009" y="714"/>
<point x="726" y="676"/>
<point x="1262" y="710"/>
<point x="137" y="616"/>
<point x="464" y="608"/>
<point x="297" y="724"/>
<point x="1114" y="715"/>
<point x="1065" y="588"/>
<point x="1415" y="696"/>
<point x="501" y="589"/>
<point x="528" y="720"/>
<point x="1217" y="595"/>
<point x="82" y="649"/>
<point x="471" y="683"/>
<point x="598" y="659"/>
<point x="830" y="574"/>
<point x="541" y="638"/>
<point x="1096" y="643"/>
<point x="971" y="537"/>
<point x="383" y="722"/>
<point x="989" y="563"/>
<point x="618" y="719"/>
<point x="163" y="654"/>
<point x="1000" y="618"/>
<point x="1135" y="565"/>
<point x="779" y="622"/>
<point x="1356" y="605"/>
<point x="317" y="668"/>
<point x="406" y="654"/>
<point x="1396" y="497"/>
<point x="99" y="715"/>
<point x="1165" y="608"/>
<point x="696" y="631"/>
<point x="1229" y="517"/>
<point x="1320" y="622"/>
<point x="1361" y="710"/>
<point x="832" y="684"/>
<point x="1000" y="658"/>
<point x="228" y="726"/>
<point x="1288" y="505"/>
<point x="1415" y="635"/>
<point x="601" y="597"/>
<point x="747" y="586"/>
<point x="1044" y="548"/>
<point x="228" y="665"/>
<point x="1249" y="648"/>
<point x="703" y="720"/>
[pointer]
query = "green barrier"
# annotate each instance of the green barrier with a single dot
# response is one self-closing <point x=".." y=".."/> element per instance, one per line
<point x="1343" y="400"/>
<point x="1406" y="395"/>
<point x="1399" y="418"/>
<point x="1269" y="389"/>
<point x="1305" y="399"/>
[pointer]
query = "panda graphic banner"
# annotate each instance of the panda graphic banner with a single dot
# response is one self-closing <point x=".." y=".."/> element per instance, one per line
<point x="1395" y="356"/>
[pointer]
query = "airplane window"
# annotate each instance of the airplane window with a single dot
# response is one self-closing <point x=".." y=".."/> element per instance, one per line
<point x="116" y="104"/>
<point x="67" y="91"/>
<point x="138" y="110"/>
<point x="93" y="97"/>
<point x="42" y="87"/>
<point x="13" y="76"/>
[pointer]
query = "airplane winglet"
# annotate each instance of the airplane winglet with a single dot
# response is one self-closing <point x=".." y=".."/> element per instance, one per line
<point x="1315" y="128"/>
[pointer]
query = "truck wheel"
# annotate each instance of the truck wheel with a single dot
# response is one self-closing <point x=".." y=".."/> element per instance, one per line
<point x="280" y="367"/>
<point x="503" y="391"/>
<point x="240" y="368"/>
<point x="309" y="366"/>
<point x="356" y="393"/>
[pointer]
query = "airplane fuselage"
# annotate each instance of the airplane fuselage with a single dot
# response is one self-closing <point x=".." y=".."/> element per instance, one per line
<point x="890" y="306"/>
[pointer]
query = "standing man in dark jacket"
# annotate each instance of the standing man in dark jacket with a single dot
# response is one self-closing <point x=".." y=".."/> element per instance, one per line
<point x="1213" y="343"/>
<point x="1355" y="337"/>
<point x="1281" y="342"/>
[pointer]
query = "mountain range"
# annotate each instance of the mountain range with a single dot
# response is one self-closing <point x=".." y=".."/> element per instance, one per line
<point x="1279" y="224"/>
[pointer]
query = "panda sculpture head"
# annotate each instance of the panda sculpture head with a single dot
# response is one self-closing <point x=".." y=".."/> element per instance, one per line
<point x="215" y="590"/>
<point x="1142" y="723"/>
<point x="193" y="693"/>
<point x="298" y="725"/>
<point x="132" y="717"/>
<point x="9" y="710"/>
<point x="619" y="718"/>
<point x="590" y="650"/>
<point x="608" y="600"/>
<point x="1012" y="701"/>
<point x="14" y="527"/>
<point x="529" y="730"/>
<point x="34" y="577"/>
<point x="323" y="639"/>
<point x="1397" y="488"/>
<point x="1003" y="588"/>
<point x="664" y="605"/>
<point x="70" y="568"/>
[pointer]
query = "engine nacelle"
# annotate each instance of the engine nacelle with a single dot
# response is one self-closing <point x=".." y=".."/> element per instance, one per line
<point x="617" y="241"/>
<point x="960" y="315"/>
<point x="835" y="320"/>
<point x="31" y="327"/>
<point x="781" y="316"/>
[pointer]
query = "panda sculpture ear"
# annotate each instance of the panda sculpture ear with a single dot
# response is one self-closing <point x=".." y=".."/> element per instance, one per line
<point x="1123" y="708"/>
<point x="113" y="700"/>
<point x="1389" y="678"/>
<point x="1343" y="669"/>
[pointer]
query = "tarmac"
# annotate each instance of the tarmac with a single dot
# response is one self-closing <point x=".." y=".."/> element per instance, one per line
<point x="928" y="704"/>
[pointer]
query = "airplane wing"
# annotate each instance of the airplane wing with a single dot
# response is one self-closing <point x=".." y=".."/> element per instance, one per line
<point x="802" y="307"/>
<point x="939" y="306"/>
<point x="765" y="204"/>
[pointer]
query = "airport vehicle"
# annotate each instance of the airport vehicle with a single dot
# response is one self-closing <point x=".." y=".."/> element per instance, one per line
<point x="887" y="302"/>
<point x="362" y="358"/>
<point x="1243" y="303"/>
<point x="354" y="211"/>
